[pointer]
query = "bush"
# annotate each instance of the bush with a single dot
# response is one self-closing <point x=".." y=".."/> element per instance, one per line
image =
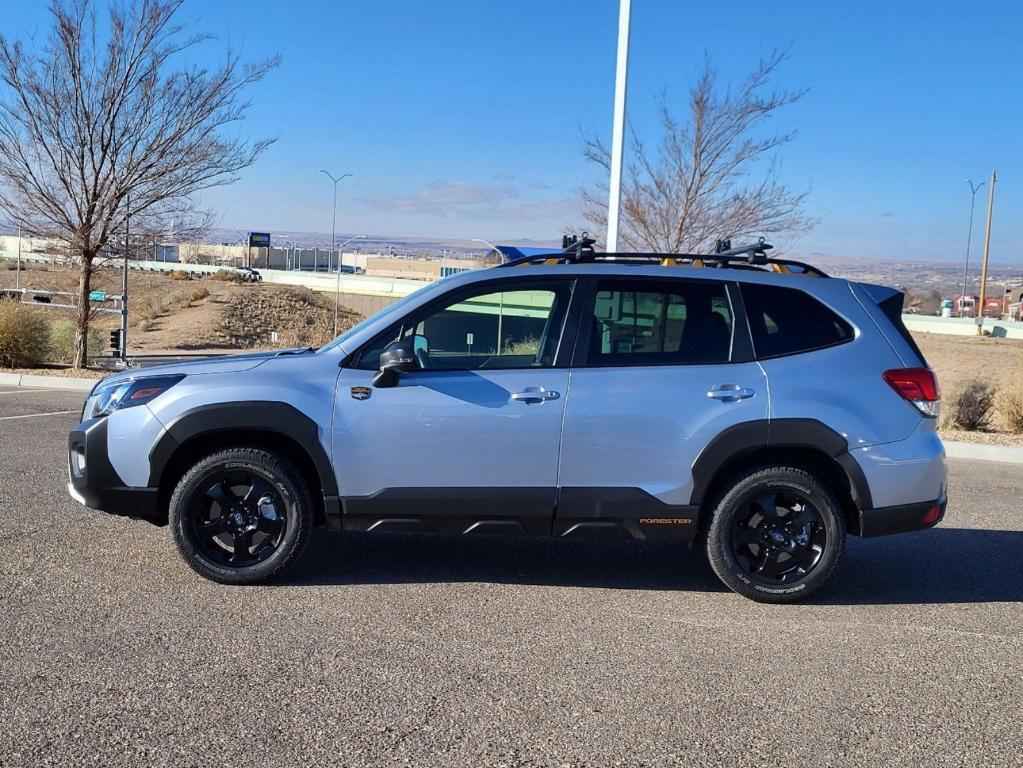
<point x="179" y="274"/>
<point x="200" y="293"/>
<point x="1010" y="406"/>
<point x="970" y="406"/>
<point x="24" y="336"/>
<point x="62" y="342"/>
<point x="227" y="276"/>
<point x="146" y="325"/>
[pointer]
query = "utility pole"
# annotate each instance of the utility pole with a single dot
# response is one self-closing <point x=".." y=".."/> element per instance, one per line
<point x="614" y="202"/>
<point x="124" y="285"/>
<point x="987" y="250"/>
<point x="969" y="237"/>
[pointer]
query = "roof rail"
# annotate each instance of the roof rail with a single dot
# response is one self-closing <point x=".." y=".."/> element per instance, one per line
<point x="579" y="250"/>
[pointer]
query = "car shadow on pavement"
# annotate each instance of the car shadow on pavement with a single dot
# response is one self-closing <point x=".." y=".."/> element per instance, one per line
<point x="942" y="565"/>
<point x="392" y="558"/>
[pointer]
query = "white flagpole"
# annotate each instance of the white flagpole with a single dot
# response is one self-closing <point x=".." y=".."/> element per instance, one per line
<point x="618" y="129"/>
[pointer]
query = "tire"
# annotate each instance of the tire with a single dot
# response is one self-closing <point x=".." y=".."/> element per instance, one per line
<point x="241" y="516"/>
<point x="780" y="555"/>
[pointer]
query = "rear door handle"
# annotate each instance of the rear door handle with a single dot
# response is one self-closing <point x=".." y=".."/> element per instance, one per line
<point x="730" y="393"/>
<point x="535" y="395"/>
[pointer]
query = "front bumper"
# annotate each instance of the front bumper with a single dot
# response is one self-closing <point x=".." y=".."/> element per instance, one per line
<point x="901" y="519"/>
<point x="95" y="484"/>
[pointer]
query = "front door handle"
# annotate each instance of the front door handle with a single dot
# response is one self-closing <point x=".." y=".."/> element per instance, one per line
<point x="535" y="395"/>
<point x="730" y="393"/>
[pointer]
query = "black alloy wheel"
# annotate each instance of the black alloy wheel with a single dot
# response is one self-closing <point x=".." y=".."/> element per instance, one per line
<point x="238" y="519"/>
<point x="776" y="534"/>
<point x="778" y="537"/>
<point x="241" y="515"/>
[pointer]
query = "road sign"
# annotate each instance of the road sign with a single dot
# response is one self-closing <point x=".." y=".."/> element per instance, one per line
<point x="98" y="296"/>
<point x="259" y="239"/>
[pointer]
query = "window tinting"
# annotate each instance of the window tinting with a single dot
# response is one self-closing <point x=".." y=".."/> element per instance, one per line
<point x="786" y="321"/>
<point x="490" y="330"/>
<point x="640" y="323"/>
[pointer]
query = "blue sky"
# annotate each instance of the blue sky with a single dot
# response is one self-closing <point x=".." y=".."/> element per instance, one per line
<point x="461" y="118"/>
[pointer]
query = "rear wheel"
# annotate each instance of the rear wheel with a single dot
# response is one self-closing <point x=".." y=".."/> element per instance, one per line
<point x="776" y="535"/>
<point x="241" y="515"/>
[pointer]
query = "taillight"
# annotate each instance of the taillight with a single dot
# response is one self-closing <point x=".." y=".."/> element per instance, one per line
<point x="918" y="386"/>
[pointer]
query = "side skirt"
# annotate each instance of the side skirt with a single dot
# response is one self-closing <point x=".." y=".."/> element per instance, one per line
<point x="589" y="512"/>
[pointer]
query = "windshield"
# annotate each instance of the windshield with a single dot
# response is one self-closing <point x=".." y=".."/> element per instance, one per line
<point x="396" y="307"/>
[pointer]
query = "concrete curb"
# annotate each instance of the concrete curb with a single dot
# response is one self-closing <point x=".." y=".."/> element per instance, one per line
<point x="46" y="382"/>
<point x="1007" y="454"/>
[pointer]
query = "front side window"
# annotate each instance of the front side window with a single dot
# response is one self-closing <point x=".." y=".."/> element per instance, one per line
<point x="660" y="323"/>
<point x="491" y="329"/>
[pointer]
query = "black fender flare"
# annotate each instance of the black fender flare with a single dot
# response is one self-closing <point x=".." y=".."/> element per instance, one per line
<point x="747" y="437"/>
<point x="258" y="415"/>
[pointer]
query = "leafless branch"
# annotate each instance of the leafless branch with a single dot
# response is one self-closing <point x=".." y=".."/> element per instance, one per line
<point x="711" y="176"/>
<point x="92" y="133"/>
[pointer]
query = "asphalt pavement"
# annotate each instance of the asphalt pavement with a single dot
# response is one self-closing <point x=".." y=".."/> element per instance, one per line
<point x="395" y="650"/>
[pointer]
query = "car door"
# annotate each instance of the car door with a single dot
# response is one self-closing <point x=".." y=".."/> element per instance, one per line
<point x="468" y="443"/>
<point x="659" y="372"/>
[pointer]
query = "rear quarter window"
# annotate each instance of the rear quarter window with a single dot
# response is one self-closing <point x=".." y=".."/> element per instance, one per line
<point x="788" y="321"/>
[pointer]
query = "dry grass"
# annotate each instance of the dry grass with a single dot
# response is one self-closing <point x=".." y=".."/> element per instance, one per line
<point x="1009" y="403"/>
<point x="24" y="336"/>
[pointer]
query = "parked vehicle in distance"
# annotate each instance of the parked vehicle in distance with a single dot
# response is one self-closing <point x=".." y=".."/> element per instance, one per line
<point x="759" y="410"/>
<point x="250" y="275"/>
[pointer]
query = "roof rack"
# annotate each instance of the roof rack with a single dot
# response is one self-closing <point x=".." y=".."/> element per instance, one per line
<point x="579" y="250"/>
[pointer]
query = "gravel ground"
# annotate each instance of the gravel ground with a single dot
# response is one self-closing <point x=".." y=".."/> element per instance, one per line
<point x="447" y="652"/>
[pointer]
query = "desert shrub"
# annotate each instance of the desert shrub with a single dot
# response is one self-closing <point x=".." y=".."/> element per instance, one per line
<point x="62" y="342"/>
<point x="179" y="274"/>
<point x="146" y="325"/>
<point x="227" y="276"/>
<point x="200" y="293"/>
<point x="24" y="336"/>
<point x="527" y="346"/>
<point x="1010" y="405"/>
<point x="970" y="406"/>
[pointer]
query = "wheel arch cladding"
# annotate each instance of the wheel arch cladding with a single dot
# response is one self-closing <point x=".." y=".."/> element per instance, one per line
<point x="804" y="443"/>
<point x="274" y="426"/>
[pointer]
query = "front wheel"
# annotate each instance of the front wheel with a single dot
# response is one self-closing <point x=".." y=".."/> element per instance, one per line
<point x="241" y="515"/>
<point x="776" y="535"/>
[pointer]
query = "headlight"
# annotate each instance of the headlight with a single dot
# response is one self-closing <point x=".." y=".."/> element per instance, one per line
<point x="125" y="394"/>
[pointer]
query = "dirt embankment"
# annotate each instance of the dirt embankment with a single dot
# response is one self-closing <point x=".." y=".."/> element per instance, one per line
<point x="194" y="315"/>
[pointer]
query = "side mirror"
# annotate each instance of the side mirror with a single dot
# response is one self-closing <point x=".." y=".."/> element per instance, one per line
<point x="398" y="357"/>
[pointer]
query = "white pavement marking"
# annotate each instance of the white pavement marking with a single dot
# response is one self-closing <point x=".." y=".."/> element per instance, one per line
<point x="26" y="391"/>
<point x="33" y="415"/>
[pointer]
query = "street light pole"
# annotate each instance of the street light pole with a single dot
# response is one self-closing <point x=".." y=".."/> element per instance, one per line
<point x="333" y="218"/>
<point x="337" y="289"/>
<point x="969" y="238"/>
<point x="17" y="274"/>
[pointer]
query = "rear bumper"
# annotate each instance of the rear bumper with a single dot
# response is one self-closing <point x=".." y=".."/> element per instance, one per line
<point x="95" y="484"/>
<point x="901" y="519"/>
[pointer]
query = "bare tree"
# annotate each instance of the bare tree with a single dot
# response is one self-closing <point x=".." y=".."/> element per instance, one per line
<point x="713" y="175"/>
<point x="104" y="122"/>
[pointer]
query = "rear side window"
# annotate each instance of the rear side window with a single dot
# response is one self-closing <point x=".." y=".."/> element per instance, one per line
<point x="635" y="322"/>
<point x="787" y="321"/>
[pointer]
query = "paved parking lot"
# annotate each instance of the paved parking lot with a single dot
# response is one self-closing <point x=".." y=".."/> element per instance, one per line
<point x="399" y="650"/>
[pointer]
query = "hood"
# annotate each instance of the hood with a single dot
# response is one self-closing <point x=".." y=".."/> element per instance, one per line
<point x="224" y="364"/>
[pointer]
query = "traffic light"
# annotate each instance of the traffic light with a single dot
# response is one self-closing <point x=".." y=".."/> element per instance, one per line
<point x="115" y="343"/>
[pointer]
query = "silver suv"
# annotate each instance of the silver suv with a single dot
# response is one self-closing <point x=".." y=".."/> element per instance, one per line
<point x="751" y="405"/>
